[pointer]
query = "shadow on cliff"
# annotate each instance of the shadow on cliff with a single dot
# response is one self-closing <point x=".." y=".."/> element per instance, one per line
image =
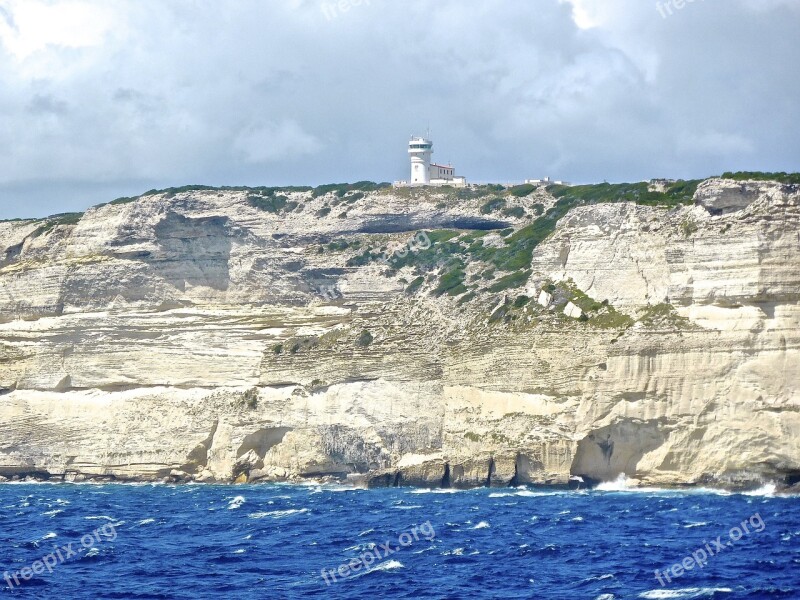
<point x="616" y="449"/>
<point x="194" y="251"/>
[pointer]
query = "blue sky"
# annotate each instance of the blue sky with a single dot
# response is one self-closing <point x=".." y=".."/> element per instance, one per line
<point x="104" y="99"/>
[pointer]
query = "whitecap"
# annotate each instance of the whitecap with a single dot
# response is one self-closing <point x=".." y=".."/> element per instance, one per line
<point x="146" y="521"/>
<point x="482" y="525"/>
<point x="240" y="551"/>
<point x="277" y="514"/>
<point x="52" y="513"/>
<point x="577" y="519"/>
<point x="456" y="552"/>
<point x="683" y="593"/>
<point x="92" y="552"/>
<point x="389" y="565"/>
<point x="410" y="507"/>
<point x="767" y="490"/>
<point x="618" y="485"/>
<point x="692" y="525"/>
<point x="98" y="517"/>
<point x="50" y="535"/>
<point x="605" y="597"/>
<point x="360" y="547"/>
<point x="366" y="532"/>
<point x="236" y="502"/>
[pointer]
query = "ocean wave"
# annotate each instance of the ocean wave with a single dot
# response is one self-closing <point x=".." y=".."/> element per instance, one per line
<point x="277" y="514"/>
<point x="482" y="525"/>
<point x="767" y="490"/>
<point x="684" y="593"/>
<point x="236" y="502"/>
<point x="389" y="565"/>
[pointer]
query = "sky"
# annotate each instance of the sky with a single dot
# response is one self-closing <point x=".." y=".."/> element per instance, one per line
<point x="102" y="99"/>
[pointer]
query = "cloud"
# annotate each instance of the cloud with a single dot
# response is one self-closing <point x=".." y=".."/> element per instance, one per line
<point x="274" y="142"/>
<point x="105" y="99"/>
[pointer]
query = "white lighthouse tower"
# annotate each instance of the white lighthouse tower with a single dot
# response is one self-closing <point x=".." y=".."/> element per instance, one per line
<point x="420" y="150"/>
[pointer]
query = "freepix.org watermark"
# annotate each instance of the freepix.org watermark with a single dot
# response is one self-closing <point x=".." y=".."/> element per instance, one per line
<point x="667" y="8"/>
<point x="61" y="554"/>
<point x="699" y="558"/>
<point x="332" y="10"/>
<point x="379" y="552"/>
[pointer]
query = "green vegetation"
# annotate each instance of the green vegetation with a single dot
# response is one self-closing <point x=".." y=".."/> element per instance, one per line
<point x="493" y="205"/>
<point x="415" y="284"/>
<point x="56" y="220"/>
<point x="324" y="211"/>
<point x="472" y="436"/>
<point x="664" y="314"/>
<point x="452" y="281"/>
<point x="272" y="204"/>
<point x="516" y="212"/>
<point x="250" y="398"/>
<point x="520" y="191"/>
<point x="688" y="227"/>
<point x="302" y="344"/>
<point x="264" y="191"/>
<point x="277" y="349"/>
<point x="365" y="339"/>
<point x="761" y="176"/>
<point x="124" y="200"/>
<point x="468" y="297"/>
<point x="521" y="301"/>
<point x="513" y="280"/>
<point x="677" y="193"/>
<point x="340" y="189"/>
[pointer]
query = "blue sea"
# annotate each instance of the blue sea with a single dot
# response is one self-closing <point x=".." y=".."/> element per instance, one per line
<point x="292" y="541"/>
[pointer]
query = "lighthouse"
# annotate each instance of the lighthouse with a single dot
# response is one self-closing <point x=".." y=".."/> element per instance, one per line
<point x="420" y="150"/>
<point x="424" y="172"/>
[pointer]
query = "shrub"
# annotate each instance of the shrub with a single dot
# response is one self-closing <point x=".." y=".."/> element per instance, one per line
<point x="124" y="200"/>
<point x="272" y="204"/>
<point x="510" y="281"/>
<point x="520" y="191"/>
<point x="493" y="205"/>
<point x="415" y="284"/>
<point x="521" y="301"/>
<point x="365" y="339"/>
<point x="452" y="282"/>
<point x="250" y="398"/>
<point x="516" y="212"/>
<point x="761" y="176"/>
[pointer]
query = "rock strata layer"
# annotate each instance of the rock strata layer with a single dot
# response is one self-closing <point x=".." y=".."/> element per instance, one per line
<point x="198" y="337"/>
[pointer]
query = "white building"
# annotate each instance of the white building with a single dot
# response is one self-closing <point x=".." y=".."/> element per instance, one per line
<point x="425" y="172"/>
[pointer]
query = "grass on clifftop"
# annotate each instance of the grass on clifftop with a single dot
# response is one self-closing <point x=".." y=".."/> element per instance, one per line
<point x="761" y="176"/>
<point x="677" y="193"/>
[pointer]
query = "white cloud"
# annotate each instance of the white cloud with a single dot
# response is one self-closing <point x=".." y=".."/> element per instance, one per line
<point x="107" y="98"/>
<point x="34" y="25"/>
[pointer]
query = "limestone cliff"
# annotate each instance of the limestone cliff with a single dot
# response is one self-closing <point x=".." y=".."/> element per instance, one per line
<point x="396" y="337"/>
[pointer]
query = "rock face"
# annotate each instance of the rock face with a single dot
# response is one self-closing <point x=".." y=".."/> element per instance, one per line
<point x="196" y="336"/>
